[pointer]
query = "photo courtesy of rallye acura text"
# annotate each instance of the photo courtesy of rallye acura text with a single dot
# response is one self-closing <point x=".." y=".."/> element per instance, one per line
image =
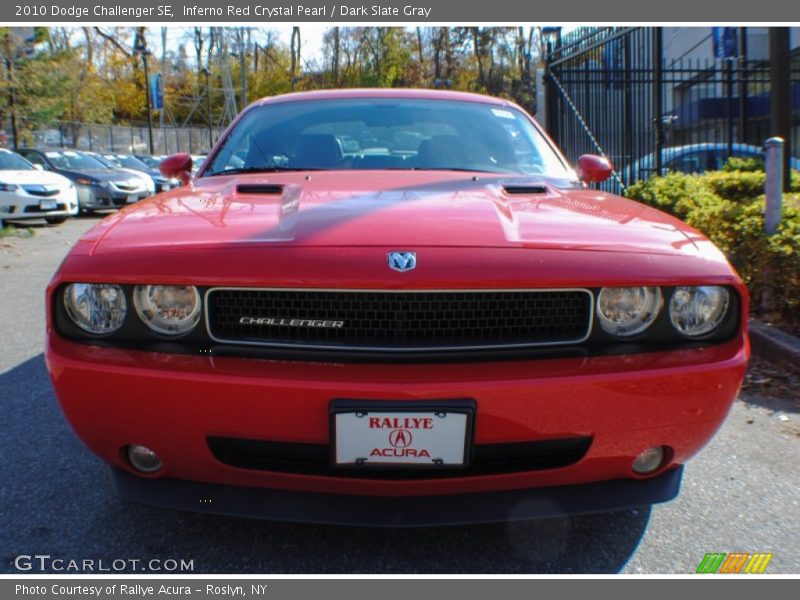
<point x="394" y="307"/>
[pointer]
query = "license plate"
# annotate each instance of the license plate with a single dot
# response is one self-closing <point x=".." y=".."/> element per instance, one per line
<point x="47" y="205"/>
<point x="407" y="436"/>
<point x="132" y="198"/>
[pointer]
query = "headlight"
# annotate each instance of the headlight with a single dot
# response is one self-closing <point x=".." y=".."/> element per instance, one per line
<point x="168" y="309"/>
<point x="8" y="187"/>
<point x="86" y="181"/>
<point x="699" y="310"/>
<point x="95" y="307"/>
<point x="626" y="311"/>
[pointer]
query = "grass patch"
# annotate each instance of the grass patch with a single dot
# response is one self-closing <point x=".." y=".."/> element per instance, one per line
<point x="16" y="231"/>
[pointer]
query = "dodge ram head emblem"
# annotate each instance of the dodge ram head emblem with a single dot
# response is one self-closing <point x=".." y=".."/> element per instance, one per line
<point x="402" y="261"/>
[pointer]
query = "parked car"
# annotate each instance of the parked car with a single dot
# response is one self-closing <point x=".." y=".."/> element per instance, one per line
<point x="695" y="158"/>
<point x="29" y="193"/>
<point x="151" y="160"/>
<point x="129" y="161"/>
<point x="458" y="332"/>
<point x="148" y="181"/>
<point x="197" y="162"/>
<point x="98" y="186"/>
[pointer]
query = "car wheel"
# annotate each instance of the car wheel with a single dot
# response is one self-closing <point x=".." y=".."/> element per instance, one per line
<point x="55" y="220"/>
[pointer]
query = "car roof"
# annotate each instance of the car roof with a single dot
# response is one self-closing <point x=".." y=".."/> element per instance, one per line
<point x="711" y="146"/>
<point x="396" y="93"/>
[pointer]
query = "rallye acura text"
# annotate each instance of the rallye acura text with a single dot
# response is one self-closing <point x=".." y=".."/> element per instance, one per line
<point x="394" y="307"/>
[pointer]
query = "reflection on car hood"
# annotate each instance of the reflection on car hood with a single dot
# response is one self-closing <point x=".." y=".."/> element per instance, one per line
<point x="403" y="210"/>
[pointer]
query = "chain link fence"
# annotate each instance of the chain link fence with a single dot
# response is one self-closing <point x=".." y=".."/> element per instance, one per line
<point x="109" y="138"/>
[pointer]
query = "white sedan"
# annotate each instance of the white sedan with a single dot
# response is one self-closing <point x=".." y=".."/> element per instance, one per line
<point x="29" y="193"/>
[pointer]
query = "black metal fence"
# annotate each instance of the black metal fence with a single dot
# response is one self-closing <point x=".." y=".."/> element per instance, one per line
<point x="610" y="91"/>
<point x="111" y="138"/>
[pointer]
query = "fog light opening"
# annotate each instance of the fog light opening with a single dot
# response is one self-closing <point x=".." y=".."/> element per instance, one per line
<point x="143" y="459"/>
<point x="650" y="461"/>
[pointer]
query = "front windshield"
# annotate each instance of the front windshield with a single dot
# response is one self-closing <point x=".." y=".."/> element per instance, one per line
<point x="150" y="161"/>
<point x="74" y="160"/>
<point x="128" y="162"/>
<point x="9" y="161"/>
<point x="107" y="161"/>
<point x="386" y="133"/>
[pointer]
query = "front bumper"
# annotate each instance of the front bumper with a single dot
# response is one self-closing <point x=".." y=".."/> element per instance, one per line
<point x="96" y="197"/>
<point x="419" y="511"/>
<point x="174" y="403"/>
<point x="27" y="206"/>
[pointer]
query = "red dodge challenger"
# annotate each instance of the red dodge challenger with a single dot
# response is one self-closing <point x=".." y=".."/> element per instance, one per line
<point x="394" y="307"/>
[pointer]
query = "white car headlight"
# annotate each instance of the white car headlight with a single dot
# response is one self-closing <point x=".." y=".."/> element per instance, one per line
<point x="698" y="310"/>
<point x="8" y="187"/>
<point x="168" y="309"/>
<point x="627" y="311"/>
<point x="98" y="308"/>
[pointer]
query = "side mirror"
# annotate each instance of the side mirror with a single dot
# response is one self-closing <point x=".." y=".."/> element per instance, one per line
<point x="177" y="166"/>
<point x="594" y="169"/>
<point x="38" y="167"/>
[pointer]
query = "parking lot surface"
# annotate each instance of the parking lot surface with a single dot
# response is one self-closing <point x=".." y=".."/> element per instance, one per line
<point x="740" y="494"/>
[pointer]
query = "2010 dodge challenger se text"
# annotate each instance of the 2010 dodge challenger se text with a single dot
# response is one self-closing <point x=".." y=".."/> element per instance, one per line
<point x="394" y="307"/>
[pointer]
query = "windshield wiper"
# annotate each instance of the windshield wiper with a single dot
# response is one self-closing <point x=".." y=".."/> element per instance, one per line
<point x="239" y="170"/>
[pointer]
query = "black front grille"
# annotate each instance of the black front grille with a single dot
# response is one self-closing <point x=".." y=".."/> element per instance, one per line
<point x="37" y="191"/>
<point x="414" y="320"/>
<point x="314" y="459"/>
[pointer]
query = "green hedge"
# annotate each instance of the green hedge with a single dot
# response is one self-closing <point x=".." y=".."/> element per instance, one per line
<point x="728" y="206"/>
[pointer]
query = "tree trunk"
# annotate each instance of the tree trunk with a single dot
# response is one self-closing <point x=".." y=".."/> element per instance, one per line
<point x="477" y="47"/>
<point x="336" y="42"/>
<point x="295" y="50"/>
<point x="420" y="50"/>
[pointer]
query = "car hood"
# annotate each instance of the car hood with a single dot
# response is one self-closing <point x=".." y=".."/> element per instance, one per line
<point x="32" y="177"/>
<point x="394" y="209"/>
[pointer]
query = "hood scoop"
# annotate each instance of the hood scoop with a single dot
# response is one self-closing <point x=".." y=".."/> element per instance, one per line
<point x="262" y="189"/>
<point x="517" y="190"/>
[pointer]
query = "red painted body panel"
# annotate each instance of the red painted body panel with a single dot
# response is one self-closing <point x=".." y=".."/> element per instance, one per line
<point x="332" y="230"/>
<point x="172" y="402"/>
<point x="380" y="208"/>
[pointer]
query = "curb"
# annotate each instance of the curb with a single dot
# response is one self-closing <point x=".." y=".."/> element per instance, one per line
<point x="774" y="344"/>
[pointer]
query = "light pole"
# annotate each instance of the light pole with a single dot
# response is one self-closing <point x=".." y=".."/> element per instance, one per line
<point x="207" y="73"/>
<point x="140" y="48"/>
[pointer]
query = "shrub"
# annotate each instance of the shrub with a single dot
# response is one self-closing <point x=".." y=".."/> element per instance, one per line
<point x="739" y="186"/>
<point x="728" y="207"/>
<point x="675" y="193"/>
<point x="743" y="164"/>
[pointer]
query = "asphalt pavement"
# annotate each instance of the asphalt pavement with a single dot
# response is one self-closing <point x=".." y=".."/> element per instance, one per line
<point x="740" y="494"/>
